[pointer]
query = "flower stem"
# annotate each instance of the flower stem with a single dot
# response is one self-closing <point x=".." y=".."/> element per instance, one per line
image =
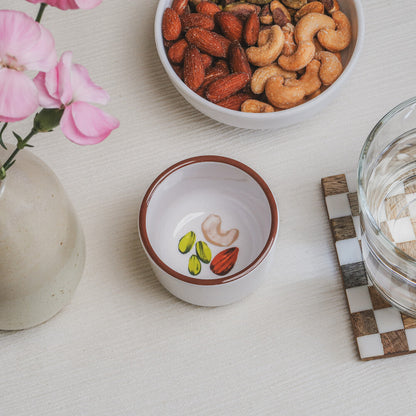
<point x="1" y="136"/>
<point x="20" y="145"/>
<point x="40" y="12"/>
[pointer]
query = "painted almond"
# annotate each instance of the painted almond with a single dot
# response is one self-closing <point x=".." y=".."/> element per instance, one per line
<point x="208" y="8"/>
<point x="234" y="102"/>
<point x="176" y="52"/>
<point x="194" y="265"/>
<point x="224" y="261"/>
<point x="238" y="59"/>
<point x="251" y="29"/>
<point x="209" y="42"/>
<point x="231" y="26"/>
<point x="203" y="252"/>
<point x="193" y="68"/>
<point x="171" y="25"/>
<point x="186" y="242"/>
<point x="224" y="87"/>
<point x="197" y="20"/>
<point x="179" y="6"/>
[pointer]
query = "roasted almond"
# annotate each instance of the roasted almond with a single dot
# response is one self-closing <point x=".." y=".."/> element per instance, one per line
<point x="234" y="102"/>
<point x="171" y="25"/>
<point x="224" y="87"/>
<point x="230" y="25"/>
<point x="251" y="29"/>
<point x="206" y="60"/>
<point x="176" y="52"/>
<point x="238" y="59"/>
<point x="193" y="68"/>
<point x="208" y="8"/>
<point x="209" y="42"/>
<point x="197" y="20"/>
<point x="179" y="6"/>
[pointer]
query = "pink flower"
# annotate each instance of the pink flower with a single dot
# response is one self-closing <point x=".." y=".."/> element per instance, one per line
<point x="69" y="4"/>
<point x="24" y="45"/>
<point x="69" y="86"/>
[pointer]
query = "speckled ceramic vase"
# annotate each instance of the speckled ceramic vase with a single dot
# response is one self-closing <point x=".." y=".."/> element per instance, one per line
<point x="42" y="246"/>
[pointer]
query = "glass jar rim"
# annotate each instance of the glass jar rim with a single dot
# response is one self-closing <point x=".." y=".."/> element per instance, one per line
<point x="362" y="199"/>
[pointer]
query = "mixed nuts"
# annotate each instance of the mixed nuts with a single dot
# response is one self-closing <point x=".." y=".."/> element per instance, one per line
<point x="259" y="55"/>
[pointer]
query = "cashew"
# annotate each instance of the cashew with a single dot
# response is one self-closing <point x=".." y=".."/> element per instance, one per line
<point x="266" y="54"/>
<point x="289" y="47"/>
<point x="310" y="25"/>
<point x="261" y="75"/>
<point x="331" y="67"/>
<point x="318" y="46"/>
<point x="263" y="37"/>
<point x="339" y="39"/>
<point x="298" y="60"/>
<point x="315" y="94"/>
<point x="256" y="106"/>
<point x="309" y="81"/>
<point x="313" y="7"/>
<point x="282" y="96"/>
<point x="211" y="228"/>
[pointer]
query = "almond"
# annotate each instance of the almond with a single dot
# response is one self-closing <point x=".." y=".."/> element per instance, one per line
<point x="231" y="26"/>
<point x="193" y="69"/>
<point x="179" y="6"/>
<point x="238" y="59"/>
<point x="224" y="87"/>
<point x="197" y="20"/>
<point x="251" y="29"/>
<point x="234" y="102"/>
<point x="178" y="70"/>
<point x="176" y="52"/>
<point x="209" y="42"/>
<point x="171" y="25"/>
<point x="242" y="10"/>
<point x="221" y="63"/>
<point x="206" y="60"/>
<point x="208" y="8"/>
<point x="211" y="75"/>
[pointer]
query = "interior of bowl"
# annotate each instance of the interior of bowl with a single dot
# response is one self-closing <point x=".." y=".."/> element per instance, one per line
<point x="210" y="220"/>
<point x="352" y="8"/>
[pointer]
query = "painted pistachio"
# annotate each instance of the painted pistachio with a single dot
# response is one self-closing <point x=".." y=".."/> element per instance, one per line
<point x="224" y="261"/>
<point x="203" y="252"/>
<point x="194" y="265"/>
<point x="186" y="242"/>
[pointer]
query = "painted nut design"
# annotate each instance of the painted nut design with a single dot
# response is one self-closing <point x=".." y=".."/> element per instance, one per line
<point x="211" y="228"/>
<point x="224" y="261"/>
<point x="187" y="242"/>
<point x="203" y="252"/>
<point x="194" y="265"/>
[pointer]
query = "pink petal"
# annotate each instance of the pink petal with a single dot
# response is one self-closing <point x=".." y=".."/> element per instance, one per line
<point x="84" y="89"/>
<point x="69" y="4"/>
<point x="18" y="95"/>
<point x="23" y="42"/>
<point x="85" y="124"/>
<point x="64" y="69"/>
<point x="45" y="99"/>
<point x="87" y="4"/>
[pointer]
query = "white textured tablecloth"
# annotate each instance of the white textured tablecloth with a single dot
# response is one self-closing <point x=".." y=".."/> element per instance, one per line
<point x="124" y="346"/>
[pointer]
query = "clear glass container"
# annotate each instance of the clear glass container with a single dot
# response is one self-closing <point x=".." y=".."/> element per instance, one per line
<point x="387" y="199"/>
<point x="41" y="244"/>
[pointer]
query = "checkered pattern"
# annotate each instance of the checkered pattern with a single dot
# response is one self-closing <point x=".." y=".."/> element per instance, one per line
<point x="380" y="330"/>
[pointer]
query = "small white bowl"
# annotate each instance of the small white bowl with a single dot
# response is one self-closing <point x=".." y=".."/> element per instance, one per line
<point x="180" y="200"/>
<point x="352" y="8"/>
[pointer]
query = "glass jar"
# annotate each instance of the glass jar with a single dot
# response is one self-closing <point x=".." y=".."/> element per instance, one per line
<point x="41" y="244"/>
<point x="387" y="199"/>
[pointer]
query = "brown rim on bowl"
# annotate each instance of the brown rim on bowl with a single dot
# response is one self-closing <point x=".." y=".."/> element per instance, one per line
<point x="219" y="159"/>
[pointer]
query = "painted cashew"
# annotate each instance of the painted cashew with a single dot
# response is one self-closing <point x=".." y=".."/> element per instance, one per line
<point x="339" y="39"/>
<point x="331" y="67"/>
<point x="211" y="228"/>
<point x="256" y="106"/>
<point x="282" y="96"/>
<point x="309" y="81"/>
<point x="268" y="53"/>
<point x="261" y="75"/>
<point x="289" y="47"/>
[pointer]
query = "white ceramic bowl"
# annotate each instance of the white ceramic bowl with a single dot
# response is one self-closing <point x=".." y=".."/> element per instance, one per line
<point x="352" y="8"/>
<point x="193" y="196"/>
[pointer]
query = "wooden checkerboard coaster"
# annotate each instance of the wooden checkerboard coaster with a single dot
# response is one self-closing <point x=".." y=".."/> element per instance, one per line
<point x="380" y="330"/>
